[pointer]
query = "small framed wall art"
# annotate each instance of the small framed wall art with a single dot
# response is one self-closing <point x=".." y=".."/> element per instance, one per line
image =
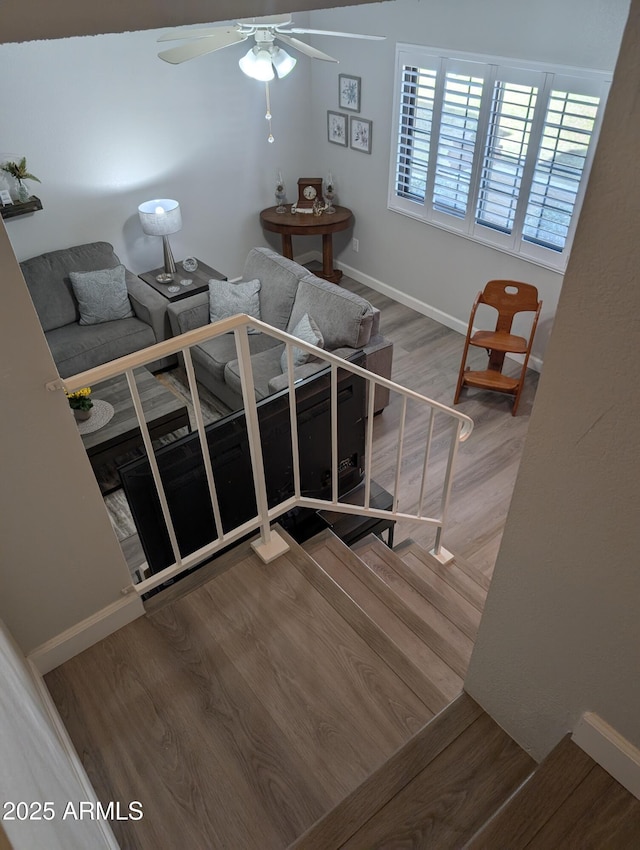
<point x="349" y="92"/>
<point x="337" y="124"/>
<point x="360" y="134"/>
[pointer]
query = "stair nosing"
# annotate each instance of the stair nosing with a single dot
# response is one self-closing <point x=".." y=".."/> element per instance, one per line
<point x="353" y="811"/>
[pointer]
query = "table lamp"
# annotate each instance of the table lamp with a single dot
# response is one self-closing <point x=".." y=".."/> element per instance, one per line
<point x="161" y="217"/>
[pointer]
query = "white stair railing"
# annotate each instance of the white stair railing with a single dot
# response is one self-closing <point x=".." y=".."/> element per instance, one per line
<point x="270" y="544"/>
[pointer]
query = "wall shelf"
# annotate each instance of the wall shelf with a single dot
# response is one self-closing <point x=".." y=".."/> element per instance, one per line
<point x="13" y="210"/>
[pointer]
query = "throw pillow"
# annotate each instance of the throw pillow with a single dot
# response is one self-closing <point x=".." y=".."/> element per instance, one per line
<point x="102" y="295"/>
<point x="308" y="331"/>
<point x="228" y="299"/>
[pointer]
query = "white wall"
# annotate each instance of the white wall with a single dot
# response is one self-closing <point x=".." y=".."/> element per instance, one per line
<point x="561" y="631"/>
<point x="437" y="268"/>
<point x="60" y="561"/>
<point x="42" y="770"/>
<point x="105" y="125"/>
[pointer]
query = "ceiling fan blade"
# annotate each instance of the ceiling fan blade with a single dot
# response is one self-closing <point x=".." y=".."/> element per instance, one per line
<point x="176" y="55"/>
<point x="299" y="30"/>
<point x="204" y="32"/>
<point x="305" y="48"/>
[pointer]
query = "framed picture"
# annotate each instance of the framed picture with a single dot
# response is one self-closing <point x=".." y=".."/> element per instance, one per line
<point x="337" y="128"/>
<point x="5" y="197"/>
<point x="349" y="92"/>
<point x="360" y="134"/>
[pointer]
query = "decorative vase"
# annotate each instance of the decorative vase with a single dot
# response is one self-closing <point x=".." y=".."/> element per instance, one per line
<point x="329" y="193"/>
<point x="23" y="193"/>
<point x="280" y="193"/>
<point x="81" y="415"/>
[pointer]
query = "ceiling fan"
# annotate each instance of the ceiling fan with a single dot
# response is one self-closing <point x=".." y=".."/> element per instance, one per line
<point x="264" y="56"/>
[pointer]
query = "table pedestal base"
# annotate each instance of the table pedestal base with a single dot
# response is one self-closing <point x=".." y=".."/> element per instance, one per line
<point x="290" y="224"/>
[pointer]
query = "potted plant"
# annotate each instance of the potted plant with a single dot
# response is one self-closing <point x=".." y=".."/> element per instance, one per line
<point x="18" y="170"/>
<point x="80" y="403"/>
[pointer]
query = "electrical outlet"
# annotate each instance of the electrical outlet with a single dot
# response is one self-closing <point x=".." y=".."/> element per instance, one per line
<point x="355" y="244"/>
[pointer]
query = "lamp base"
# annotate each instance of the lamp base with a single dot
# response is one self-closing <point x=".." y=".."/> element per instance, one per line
<point x="164" y="277"/>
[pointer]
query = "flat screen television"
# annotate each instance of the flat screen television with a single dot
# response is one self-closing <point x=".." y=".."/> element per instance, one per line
<point x="184" y="478"/>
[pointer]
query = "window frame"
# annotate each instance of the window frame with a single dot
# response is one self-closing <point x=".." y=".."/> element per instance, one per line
<point x="547" y="78"/>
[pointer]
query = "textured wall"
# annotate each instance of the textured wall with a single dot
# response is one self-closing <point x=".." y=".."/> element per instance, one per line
<point x="561" y="631"/>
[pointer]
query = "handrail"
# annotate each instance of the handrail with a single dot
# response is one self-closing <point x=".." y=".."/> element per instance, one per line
<point x="270" y="544"/>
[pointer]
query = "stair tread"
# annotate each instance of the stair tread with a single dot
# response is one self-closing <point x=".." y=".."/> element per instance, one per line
<point x="444" y="805"/>
<point x="431" y="677"/>
<point x="600" y="813"/>
<point x="428" y="623"/>
<point x="338" y="825"/>
<point x="468" y="582"/>
<point x="524" y="814"/>
<point x="426" y="582"/>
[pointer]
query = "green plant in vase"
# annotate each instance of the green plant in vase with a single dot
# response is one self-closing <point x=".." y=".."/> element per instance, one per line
<point x="80" y="402"/>
<point x="18" y="170"/>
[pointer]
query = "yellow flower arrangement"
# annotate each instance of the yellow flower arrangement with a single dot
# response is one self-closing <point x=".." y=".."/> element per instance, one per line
<point x="79" y="400"/>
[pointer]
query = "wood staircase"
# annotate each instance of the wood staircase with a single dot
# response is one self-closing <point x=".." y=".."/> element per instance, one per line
<point x="461" y="781"/>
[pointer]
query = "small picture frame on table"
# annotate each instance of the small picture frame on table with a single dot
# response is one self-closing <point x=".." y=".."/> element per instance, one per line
<point x="349" y="92"/>
<point x="337" y="127"/>
<point x="5" y="197"/>
<point x="360" y="134"/>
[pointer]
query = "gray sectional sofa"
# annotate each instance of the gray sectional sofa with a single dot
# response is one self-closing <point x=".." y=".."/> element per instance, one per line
<point x="75" y="346"/>
<point x="288" y="291"/>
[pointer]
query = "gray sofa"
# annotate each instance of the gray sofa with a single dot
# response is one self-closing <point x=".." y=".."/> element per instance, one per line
<point x="76" y="347"/>
<point x="288" y="291"/>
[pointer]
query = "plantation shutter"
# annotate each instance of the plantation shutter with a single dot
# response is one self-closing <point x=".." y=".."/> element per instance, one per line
<point x="457" y="136"/>
<point x="506" y="148"/>
<point x="414" y="137"/>
<point x="560" y="163"/>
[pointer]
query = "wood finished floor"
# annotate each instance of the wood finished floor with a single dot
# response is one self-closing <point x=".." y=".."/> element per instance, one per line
<point x="238" y="714"/>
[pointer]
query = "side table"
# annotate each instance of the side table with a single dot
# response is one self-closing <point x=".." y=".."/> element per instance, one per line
<point x="200" y="281"/>
<point x="305" y="224"/>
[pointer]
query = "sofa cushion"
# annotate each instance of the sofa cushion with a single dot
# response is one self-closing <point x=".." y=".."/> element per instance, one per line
<point x="214" y="354"/>
<point x="78" y="347"/>
<point x="229" y="299"/>
<point x="264" y="365"/>
<point x="47" y="277"/>
<point x="101" y="295"/>
<point x="280" y="278"/>
<point x="343" y="317"/>
<point x="308" y="331"/>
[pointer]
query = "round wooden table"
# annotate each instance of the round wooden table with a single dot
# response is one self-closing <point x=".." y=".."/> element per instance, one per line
<point x="307" y="224"/>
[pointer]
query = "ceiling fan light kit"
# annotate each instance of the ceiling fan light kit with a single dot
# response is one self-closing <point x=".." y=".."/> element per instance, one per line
<point x="264" y="57"/>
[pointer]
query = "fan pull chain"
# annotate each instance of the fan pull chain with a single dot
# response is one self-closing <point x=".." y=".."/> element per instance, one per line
<point x="270" y="138"/>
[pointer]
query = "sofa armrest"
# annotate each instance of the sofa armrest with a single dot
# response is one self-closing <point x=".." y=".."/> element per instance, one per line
<point x="149" y="306"/>
<point x="189" y="313"/>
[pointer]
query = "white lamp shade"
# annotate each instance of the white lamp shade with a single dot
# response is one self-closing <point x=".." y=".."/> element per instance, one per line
<point x="282" y="62"/>
<point x="160" y="217"/>
<point x="256" y="63"/>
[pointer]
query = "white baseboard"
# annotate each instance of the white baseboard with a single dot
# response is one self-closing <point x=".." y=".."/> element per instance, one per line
<point x="100" y="625"/>
<point x="66" y="743"/>
<point x="610" y="750"/>
<point x="420" y="306"/>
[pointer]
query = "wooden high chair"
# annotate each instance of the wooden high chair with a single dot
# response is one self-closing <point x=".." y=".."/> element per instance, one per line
<point x="508" y="297"/>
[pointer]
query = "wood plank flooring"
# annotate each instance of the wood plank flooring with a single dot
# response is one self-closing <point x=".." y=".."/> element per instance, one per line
<point x="238" y="714"/>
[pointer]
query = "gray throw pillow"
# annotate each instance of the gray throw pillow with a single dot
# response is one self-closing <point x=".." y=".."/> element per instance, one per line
<point x="102" y="295"/>
<point x="308" y="331"/>
<point x="228" y="299"/>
